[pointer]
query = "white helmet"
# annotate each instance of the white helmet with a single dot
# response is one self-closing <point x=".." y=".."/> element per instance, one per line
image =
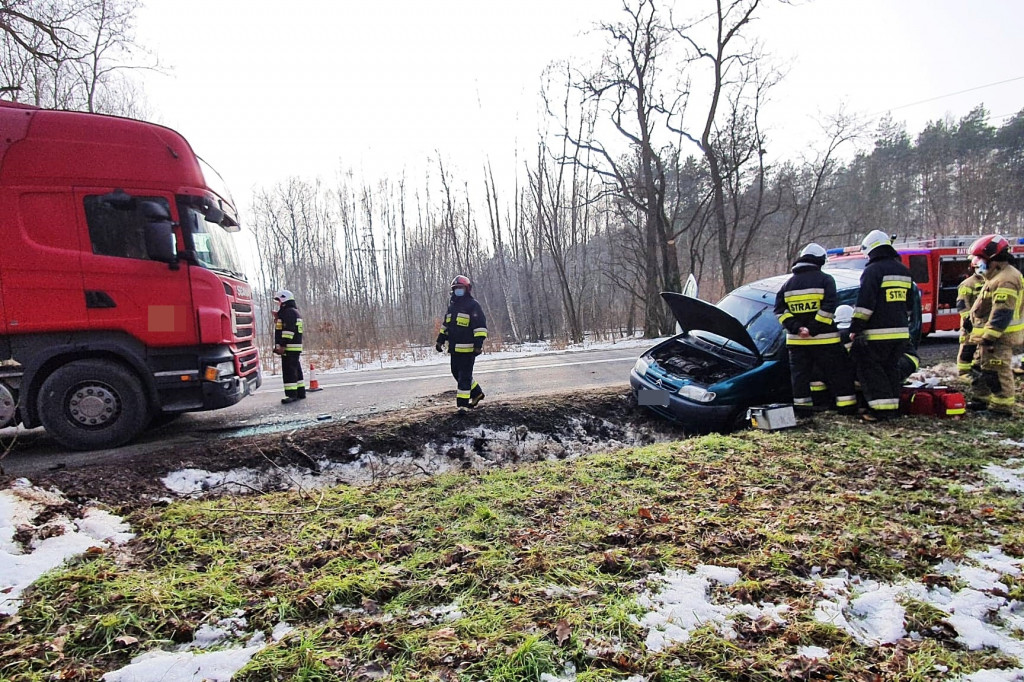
<point x="844" y="316"/>
<point x="873" y="240"/>
<point x="813" y="249"/>
<point x="283" y="295"/>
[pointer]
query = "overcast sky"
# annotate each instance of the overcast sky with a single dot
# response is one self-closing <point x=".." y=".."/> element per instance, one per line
<point x="264" y="90"/>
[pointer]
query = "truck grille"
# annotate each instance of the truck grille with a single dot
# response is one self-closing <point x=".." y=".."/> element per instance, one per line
<point x="247" y="357"/>
<point x="244" y="328"/>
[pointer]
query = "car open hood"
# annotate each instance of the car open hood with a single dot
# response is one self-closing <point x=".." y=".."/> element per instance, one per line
<point x="693" y="314"/>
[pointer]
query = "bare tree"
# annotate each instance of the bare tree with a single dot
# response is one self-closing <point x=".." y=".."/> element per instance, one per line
<point x="625" y="90"/>
<point x="738" y="88"/>
<point x="72" y="55"/>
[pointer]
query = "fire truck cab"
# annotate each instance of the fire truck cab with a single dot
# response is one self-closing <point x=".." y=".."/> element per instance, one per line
<point x="122" y="299"/>
<point x="937" y="264"/>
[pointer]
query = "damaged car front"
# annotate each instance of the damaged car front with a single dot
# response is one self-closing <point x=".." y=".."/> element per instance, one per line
<point x="728" y="357"/>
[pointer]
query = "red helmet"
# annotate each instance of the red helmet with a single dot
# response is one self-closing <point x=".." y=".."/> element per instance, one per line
<point x="990" y="247"/>
<point x="462" y="281"/>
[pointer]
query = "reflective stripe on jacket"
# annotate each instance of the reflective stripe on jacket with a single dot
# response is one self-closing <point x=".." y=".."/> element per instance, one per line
<point x="288" y="327"/>
<point x="997" y="312"/>
<point x="882" y="312"/>
<point x="808" y="299"/>
<point x="464" y="326"/>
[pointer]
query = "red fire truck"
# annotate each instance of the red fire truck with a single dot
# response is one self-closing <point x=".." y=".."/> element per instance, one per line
<point x="937" y="264"/>
<point x="122" y="298"/>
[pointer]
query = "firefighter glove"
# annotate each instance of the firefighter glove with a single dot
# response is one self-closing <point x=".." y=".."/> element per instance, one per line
<point x="968" y="326"/>
<point x="438" y="347"/>
<point x="477" y="350"/>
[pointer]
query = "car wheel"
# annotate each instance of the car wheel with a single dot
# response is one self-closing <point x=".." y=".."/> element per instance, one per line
<point x="93" y="404"/>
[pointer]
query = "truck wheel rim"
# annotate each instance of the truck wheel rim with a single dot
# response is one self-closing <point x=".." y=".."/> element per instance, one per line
<point x="93" y="405"/>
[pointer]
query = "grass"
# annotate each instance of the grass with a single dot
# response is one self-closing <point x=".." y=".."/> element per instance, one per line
<point x="544" y="563"/>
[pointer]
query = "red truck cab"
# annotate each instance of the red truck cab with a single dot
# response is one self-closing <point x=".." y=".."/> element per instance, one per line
<point x="122" y="297"/>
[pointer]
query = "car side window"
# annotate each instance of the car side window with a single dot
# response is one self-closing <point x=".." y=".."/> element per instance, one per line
<point x="117" y="231"/>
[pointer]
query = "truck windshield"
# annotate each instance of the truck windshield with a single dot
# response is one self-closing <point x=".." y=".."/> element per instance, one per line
<point x="214" y="246"/>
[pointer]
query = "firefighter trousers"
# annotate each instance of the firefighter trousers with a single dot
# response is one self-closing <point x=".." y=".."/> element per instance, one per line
<point x="462" y="370"/>
<point x="992" y="375"/>
<point x="965" y="355"/>
<point x="291" y="372"/>
<point x="878" y="371"/>
<point x="821" y="367"/>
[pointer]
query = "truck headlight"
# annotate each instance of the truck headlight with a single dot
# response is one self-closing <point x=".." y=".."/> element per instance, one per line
<point x="697" y="394"/>
<point x="220" y="370"/>
<point x="640" y="367"/>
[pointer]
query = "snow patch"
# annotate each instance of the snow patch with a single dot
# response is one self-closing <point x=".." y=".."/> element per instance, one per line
<point x="54" y="542"/>
<point x="812" y="652"/>
<point x="682" y="605"/>
<point x="185" y="665"/>
<point x="1011" y="480"/>
<point x="873" y="612"/>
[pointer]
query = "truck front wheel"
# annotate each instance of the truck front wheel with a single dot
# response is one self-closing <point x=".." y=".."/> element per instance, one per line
<point x="93" y="404"/>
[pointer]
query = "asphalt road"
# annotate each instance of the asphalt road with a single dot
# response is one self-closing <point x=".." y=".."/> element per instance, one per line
<point x="351" y="395"/>
<point x="345" y="396"/>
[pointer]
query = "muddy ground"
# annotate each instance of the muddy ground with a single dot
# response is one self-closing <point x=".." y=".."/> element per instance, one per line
<point x="413" y="442"/>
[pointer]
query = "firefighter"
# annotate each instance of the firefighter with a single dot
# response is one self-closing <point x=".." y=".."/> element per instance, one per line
<point x="805" y="306"/>
<point x="288" y="344"/>
<point x="880" y="330"/>
<point x="966" y="295"/>
<point x="996" y="326"/>
<point x="465" y="329"/>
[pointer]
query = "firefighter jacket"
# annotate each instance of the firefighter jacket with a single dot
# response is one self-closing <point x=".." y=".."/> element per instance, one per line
<point x="882" y="310"/>
<point x="464" y="326"/>
<point x="288" y="328"/>
<point x="966" y="294"/>
<point x="808" y="299"/>
<point x="997" y="312"/>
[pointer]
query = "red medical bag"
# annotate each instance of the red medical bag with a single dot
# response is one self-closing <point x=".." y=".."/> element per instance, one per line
<point x="936" y="401"/>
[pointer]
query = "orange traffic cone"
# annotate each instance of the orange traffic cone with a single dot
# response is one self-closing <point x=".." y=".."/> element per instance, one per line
<point x="314" y="385"/>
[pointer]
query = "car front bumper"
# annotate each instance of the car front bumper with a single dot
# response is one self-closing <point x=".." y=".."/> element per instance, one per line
<point x="692" y="416"/>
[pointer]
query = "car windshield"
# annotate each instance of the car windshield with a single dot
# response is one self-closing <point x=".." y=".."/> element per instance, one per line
<point x="213" y="245"/>
<point x="757" y="317"/>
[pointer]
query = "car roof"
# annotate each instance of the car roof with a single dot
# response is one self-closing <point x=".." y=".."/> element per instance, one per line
<point x="767" y="288"/>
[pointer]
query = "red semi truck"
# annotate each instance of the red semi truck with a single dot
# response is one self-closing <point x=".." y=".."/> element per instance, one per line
<point x="122" y="298"/>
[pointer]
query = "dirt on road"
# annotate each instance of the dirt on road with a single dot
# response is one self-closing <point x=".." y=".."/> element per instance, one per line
<point x="411" y="442"/>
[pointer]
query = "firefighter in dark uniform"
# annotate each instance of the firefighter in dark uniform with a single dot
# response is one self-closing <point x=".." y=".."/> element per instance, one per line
<point x="966" y="295"/>
<point x="464" y="329"/>
<point x="806" y="306"/>
<point x="996" y="326"/>
<point x="288" y="344"/>
<point x="880" y="330"/>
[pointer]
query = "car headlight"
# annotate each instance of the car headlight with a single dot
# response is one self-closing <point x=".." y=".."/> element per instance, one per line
<point x="696" y="393"/>
<point x="641" y="366"/>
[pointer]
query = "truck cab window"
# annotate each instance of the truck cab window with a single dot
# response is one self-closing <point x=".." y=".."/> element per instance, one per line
<point x="116" y="230"/>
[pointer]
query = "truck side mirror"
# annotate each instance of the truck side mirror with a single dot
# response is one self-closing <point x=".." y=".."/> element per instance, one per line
<point x="160" y="241"/>
<point x="213" y="215"/>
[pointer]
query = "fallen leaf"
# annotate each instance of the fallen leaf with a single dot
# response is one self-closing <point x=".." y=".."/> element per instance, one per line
<point x="127" y="640"/>
<point x="562" y="631"/>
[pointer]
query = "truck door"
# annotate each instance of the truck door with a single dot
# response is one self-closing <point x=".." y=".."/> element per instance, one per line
<point x="952" y="271"/>
<point x="124" y="289"/>
<point x="919" y="272"/>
